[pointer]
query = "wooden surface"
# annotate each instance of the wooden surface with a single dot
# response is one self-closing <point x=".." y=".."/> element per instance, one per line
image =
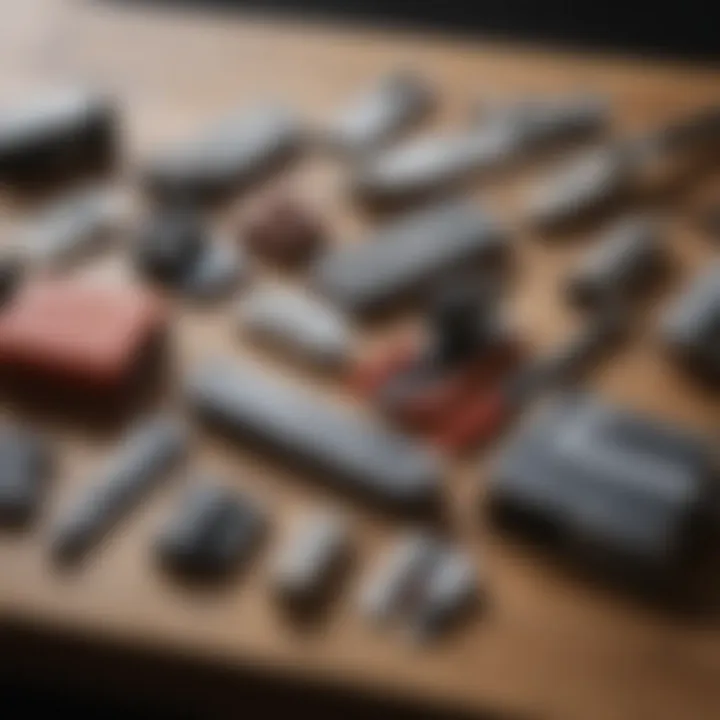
<point x="549" y="645"/>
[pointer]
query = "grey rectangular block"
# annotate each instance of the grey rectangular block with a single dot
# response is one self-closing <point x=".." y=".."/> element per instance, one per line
<point x="580" y="187"/>
<point x="352" y="452"/>
<point x="25" y="466"/>
<point x="298" y="323"/>
<point x="312" y="556"/>
<point x="505" y="136"/>
<point x="391" y="105"/>
<point x="408" y="252"/>
<point x="423" y="585"/>
<point x="451" y="589"/>
<point x="70" y="228"/>
<point x="617" y="487"/>
<point x="691" y="325"/>
<point x="431" y="163"/>
<point x="540" y="122"/>
<point x="229" y="154"/>
<point x="394" y="585"/>
<point x="627" y="260"/>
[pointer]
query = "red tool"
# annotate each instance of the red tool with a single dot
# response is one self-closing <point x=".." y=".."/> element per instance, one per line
<point x="484" y="417"/>
<point x="429" y="387"/>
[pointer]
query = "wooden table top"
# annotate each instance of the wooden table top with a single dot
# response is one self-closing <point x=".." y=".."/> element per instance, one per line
<point x="549" y="644"/>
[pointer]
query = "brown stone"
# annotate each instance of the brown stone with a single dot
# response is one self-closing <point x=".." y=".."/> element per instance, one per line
<point x="283" y="229"/>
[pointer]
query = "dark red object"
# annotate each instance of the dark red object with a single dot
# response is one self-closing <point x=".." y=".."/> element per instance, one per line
<point x="281" y="228"/>
<point x="368" y="377"/>
<point x="479" y="421"/>
<point x="88" y="337"/>
<point x="447" y="406"/>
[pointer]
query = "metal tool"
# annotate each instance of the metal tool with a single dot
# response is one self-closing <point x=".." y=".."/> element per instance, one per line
<point x="349" y="451"/>
<point x="139" y="464"/>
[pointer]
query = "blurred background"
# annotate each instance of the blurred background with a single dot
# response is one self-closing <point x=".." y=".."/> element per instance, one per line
<point x="661" y="33"/>
<point x="681" y="29"/>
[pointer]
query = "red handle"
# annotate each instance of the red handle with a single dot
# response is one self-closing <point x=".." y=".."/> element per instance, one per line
<point x="481" y="421"/>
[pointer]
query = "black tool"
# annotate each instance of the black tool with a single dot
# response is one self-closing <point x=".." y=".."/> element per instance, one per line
<point x="25" y="468"/>
<point x="58" y="134"/>
<point x="463" y="321"/>
<point x="351" y="452"/>
<point x="140" y="463"/>
<point x="406" y="254"/>
<point x="215" y="531"/>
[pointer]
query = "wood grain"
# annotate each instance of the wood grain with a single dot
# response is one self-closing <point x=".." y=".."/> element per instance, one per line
<point x="550" y="645"/>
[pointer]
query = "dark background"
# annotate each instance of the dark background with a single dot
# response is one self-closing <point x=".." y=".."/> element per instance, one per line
<point x="687" y="29"/>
